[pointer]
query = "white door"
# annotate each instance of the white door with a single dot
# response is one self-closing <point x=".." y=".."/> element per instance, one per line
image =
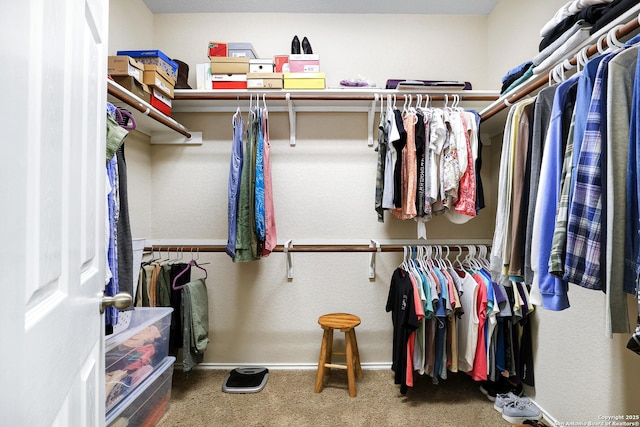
<point x="52" y="257"/>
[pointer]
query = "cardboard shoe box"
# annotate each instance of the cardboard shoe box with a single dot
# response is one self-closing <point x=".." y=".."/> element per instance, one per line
<point x="155" y="76"/>
<point x="130" y="83"/>
<point x="264" y="81"/>
<point x="229" y="65"/>
<point x="154" y="57"/>
<point x="304" y="80"/>
<point x="125" y="66"/>
<point x="304" y="63"/>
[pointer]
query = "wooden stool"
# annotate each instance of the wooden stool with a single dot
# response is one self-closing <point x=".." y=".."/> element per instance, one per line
<point x="346" y="323"/>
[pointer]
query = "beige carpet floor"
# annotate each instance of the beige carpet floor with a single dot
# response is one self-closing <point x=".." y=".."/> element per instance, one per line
<point x="288" y="399"/>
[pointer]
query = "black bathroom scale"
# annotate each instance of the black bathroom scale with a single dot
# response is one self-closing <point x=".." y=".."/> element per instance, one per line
<point x="246" y="380"/>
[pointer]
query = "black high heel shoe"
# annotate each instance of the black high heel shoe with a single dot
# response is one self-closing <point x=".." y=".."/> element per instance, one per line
<point x="306" y="46"/>
<point x="295" y="45"/>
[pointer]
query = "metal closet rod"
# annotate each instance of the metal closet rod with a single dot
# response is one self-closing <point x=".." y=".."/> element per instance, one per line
<point x="305" y="248"/>
<point x="114" y="90"/>
<point x="619" y="32"/>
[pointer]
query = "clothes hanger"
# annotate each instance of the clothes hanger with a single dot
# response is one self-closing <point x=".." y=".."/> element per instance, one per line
<point x="612" y="39"/>
<point x="601" y="49"/>
<point x="192" y="263"/>
<point x="457" y="260"/>
<point x="581" y="59"/>
<point x="131" y="122"/>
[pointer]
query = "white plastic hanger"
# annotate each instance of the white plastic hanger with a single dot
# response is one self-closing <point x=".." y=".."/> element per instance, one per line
<point x="612" y="39"/>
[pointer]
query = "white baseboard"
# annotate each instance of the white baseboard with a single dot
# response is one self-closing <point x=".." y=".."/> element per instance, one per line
<point x="546" y="415"/>
<point x="279" y="366"/>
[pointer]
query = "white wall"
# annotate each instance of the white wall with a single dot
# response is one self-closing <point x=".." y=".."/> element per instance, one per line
<point x="324" y="189"/>
<point x="377" y="47"/>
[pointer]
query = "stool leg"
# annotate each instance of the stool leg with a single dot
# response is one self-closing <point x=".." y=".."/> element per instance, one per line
<point x="326" y="336"/>
<point x="350" y="368"/>
<point x="329" y="358"/>
<point x="356" y="353"/>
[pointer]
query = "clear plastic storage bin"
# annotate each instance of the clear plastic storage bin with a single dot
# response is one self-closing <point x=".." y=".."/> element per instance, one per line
<point x="133" y="354"/>
<point x="147" y="404"/>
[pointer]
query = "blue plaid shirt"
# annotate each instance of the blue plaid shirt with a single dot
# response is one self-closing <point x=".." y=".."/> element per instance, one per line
<point x="584" y="224"/>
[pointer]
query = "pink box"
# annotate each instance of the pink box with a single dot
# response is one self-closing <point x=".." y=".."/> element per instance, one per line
<point x="304" y="63"/>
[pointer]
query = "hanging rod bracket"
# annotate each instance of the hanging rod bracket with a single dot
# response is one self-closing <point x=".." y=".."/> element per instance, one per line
<point x="292" y="120"/>
<point x="372" y="258"/>
<point x="288" y="244"/>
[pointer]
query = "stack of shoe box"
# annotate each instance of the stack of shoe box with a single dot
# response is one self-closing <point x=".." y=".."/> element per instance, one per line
<point x="261" y="75"/>
<point x="160" y="74"/>
<point x="225" y="71"/>
<point x="129" y="73"/>
<point x="304" y="72"/>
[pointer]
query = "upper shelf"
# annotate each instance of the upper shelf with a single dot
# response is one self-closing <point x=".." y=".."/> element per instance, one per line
<point x="327" y="100"/>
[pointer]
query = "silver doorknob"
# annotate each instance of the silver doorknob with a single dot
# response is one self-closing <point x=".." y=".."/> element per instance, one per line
<point x="121" y="300"/>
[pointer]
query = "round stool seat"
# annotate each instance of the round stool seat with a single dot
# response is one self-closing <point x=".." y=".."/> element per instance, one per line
<point x="341" y="321"/>
<point x="346" y="323"/>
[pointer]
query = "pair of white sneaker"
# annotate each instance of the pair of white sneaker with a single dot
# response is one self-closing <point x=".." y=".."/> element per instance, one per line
<point x="516" y="409"/>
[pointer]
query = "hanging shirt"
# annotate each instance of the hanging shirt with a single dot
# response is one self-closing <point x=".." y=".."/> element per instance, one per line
<point x="399" y="145"/>
<point x="235" y="171"/>
<point x="271" y="238"/>
<point x="553" y="290"/>
<point x="400" y="302"/>
<point x="391" y="158"/>
<point x="259" y="184"/>
<point x="584" y="223"/>
<point x="541" y="117"/>
<point x="112" y="288"/>
<point x="408" y="171"/>
<point x="632" y="222"/>
<point x="622" y="70"/>
<point x="381" y="148"/>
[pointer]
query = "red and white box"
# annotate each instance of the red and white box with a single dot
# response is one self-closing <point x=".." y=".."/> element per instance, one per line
<point x="228" y="81"/>
<point x="160" y="101"/>
<point x="304" y="63"/>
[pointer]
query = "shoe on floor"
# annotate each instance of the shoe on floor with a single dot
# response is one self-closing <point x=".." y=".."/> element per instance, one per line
<point x="488" y="389"/>
<point x="492" y="388"/>
<point x="504" y="399"/>
<point x="517" y="412"/>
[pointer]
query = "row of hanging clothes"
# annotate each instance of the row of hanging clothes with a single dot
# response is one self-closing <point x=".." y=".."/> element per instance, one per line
<point x="429" y="161"/>
<point x="251" y="214"/>
<point x="119" y="249"/>
<point x="568" y="185"/>
<point x="178" y="281"/>
<point x="451" y="317"/>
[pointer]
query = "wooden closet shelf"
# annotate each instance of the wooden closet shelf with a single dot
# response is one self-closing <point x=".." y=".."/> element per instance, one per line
<point x="369" y="94"/>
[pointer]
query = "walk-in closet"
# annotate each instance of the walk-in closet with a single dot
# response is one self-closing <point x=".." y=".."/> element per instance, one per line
<point x="248" y="215"/>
